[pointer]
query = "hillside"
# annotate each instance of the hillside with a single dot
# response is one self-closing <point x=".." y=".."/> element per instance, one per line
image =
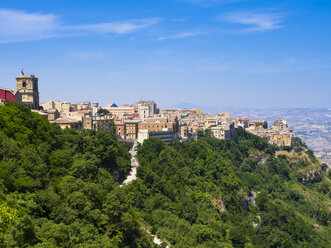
<point x="312" y="125"/>
<point x="202" y="193"/>
<point x="57" y="187"/>
<point x="60" y="188"/>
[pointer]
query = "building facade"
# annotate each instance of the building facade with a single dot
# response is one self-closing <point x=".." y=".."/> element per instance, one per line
<point x="165" y="135"/>
<point x="131" y="129"/>
<point x="99" y="123"/>
<point x="27" y="90"/>
<point x="119" y="112"/>
<point x="147" y="109"/>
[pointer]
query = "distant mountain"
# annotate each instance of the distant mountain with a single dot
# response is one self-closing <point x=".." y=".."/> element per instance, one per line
<point x="213" y="110"/>
<point x="184" y="105"/>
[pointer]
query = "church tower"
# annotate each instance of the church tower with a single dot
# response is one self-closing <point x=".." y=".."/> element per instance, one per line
<point x="27" y="90"/>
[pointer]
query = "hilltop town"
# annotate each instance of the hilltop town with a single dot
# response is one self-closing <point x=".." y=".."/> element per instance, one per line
<point x="144" y="119"/>
<point x="215" y="184"/>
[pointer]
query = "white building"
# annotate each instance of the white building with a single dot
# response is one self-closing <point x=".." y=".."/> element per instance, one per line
<point x="165" y="135"/>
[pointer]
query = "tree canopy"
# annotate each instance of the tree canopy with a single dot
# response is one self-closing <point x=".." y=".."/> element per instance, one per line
<point x="231" y="193"/>
<point x="59" y="188"/>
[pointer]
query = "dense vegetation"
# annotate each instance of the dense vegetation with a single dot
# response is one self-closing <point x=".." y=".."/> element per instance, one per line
<point x="202" y="193"/>
<point x="57" y="188"/>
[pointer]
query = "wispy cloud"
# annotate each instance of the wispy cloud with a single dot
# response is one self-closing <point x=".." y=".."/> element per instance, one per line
<point x="256" y="21"/>
<point x="16" y="26"/>
<point x="180" y="36"/>
<point x="124" y="27"/>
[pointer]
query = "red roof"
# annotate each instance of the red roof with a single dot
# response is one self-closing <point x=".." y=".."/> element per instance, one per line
<point x="7" y="95"/>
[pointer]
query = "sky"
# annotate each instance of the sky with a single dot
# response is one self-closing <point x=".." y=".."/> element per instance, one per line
<point x="220" y="53"/>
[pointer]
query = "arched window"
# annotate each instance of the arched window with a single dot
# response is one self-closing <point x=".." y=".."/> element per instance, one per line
<point x="24" y="84"/>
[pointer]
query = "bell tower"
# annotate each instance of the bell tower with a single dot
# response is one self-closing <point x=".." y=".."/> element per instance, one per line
<point x="27" y="88"/>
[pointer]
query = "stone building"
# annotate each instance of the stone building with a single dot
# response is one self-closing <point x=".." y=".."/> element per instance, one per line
<point x="131" y="129"/>
<point x="258" y="123"/>
<point x="241" y="121"/>
<point x="99" y="123"/>
<point x="69" y="123"/>
<point x="279" y="134"/>
<point x="159" y="123"/>
<point x="119" y="112"/>
<point x="280" y="125"/>
<point x="52" y="114"/>
<point x="27" y="90"/>
<point x="223" y="115"/>
<point x="147" y="109"/>
<point x="224" y="131"/>
<point x="60" y="106"/>
<point x="120" y="129"/>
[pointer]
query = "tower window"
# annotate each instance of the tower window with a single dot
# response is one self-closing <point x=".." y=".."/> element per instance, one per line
<point x="24" y="84"/>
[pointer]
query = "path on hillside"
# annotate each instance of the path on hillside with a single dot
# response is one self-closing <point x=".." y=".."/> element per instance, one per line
<point x="134" y="164"/>
<point x="133" y="176"/>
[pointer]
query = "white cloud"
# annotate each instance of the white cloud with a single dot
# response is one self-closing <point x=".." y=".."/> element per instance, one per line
<point x="116" y="27"/>
<point x="16" y="26"/>
<point x="180" y="36"/>
<point x="256" y="21"/>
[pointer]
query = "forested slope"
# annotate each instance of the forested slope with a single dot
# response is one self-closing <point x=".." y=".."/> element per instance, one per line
<point x="202" y="193"/>
<point x="57" y="187"/>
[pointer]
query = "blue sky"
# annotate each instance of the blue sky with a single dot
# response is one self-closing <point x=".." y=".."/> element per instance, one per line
<point x="249" y="53"/>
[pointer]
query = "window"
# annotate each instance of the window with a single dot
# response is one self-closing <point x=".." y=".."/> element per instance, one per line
<point x="24" y="84"/>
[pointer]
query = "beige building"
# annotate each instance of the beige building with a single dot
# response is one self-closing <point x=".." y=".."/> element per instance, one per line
<point x="223" y="115"/>
<point x="131" y="129"/>
<point x="77" y="115"/>
<point x="27" y="90"/>
<point x="258" y="123"/>
<point x="147" y="109"/>
<point x="52" y="114"/>
<point x="69" y="123"/>
<point x="119" y="112"/>
<point x="159" y="123"/>
<point x="60" y="106"/>
<point x="224" y="131"/>
<point x="241" y="121"/>
<point x="99" y="123"/>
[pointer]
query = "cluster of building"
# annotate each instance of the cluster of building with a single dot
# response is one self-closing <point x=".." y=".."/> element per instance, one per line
<point x="279" y="134"/>
<point x="143" y="119"/>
